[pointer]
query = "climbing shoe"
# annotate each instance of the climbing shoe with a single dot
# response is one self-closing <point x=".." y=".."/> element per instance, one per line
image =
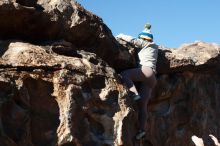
<point x="140" y="134"/>
<point x="136" y="97"/>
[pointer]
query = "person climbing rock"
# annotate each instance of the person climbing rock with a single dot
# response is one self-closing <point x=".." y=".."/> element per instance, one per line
<point x="144" y="73"/>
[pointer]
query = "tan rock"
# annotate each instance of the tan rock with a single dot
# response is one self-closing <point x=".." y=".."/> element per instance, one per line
<point x="38" y="21"/>
<point x="51" y="99"/>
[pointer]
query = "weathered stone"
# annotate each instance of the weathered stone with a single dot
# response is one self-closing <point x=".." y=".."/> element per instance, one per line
<point x="184" y="104"/>
<point x="45" y="20"/>
<point x="189" y="57"/>
<point x="51" y="99"/>
<point x="54" y="91"/>
<point x="186" y="96"/>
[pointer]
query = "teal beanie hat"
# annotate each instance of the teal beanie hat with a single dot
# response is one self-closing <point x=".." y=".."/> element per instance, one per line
<point x="146" y="33"/>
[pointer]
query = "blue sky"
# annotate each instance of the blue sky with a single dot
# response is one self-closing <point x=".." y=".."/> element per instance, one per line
<point x="174" y="22"/>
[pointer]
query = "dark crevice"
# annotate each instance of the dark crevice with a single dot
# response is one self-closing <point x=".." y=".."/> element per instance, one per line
<point x="97" y="82"/>
<point x="68" y="144"/>
<point x="32" y="68"/>
<point x="93" y="60"/>
<point x="95" y="126"/>
<point x="30" y="4"/>
<point x="44" y="112"/>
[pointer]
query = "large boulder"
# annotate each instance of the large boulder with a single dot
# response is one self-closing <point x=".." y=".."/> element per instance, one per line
<point x="186" y="98"/>
<point x="51" y="99"/>
<point x="46" y="20"/>
<point x="185" y="104"/>
<point x="54" y="95"/>
<point x="189" y="57"/>
<point x="59" y="82"/>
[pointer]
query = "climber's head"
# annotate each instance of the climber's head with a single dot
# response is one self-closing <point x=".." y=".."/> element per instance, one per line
<point x="146" y="33"/>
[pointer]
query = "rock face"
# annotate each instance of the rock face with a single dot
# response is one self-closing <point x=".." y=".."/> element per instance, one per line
<point x="46" y="20"/>
<point x="186" y="99"/>
<point x="59" y="84"/>
<point x="189" y="57"/>
<point x="51" y="99"/>
<point x="185" y="103"/>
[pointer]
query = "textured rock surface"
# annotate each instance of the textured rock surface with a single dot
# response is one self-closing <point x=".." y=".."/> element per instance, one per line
<point x="189" y="57"/>
<point x="54" y="92"/>
<point x="50" y="99"/>
<point x="185" y="103"/>
<point x="46" y="20"/>
<point x="186" y="98"/>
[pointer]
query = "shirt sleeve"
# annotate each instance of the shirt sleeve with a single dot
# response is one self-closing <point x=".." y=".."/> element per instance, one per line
<point x="137" y="42"/>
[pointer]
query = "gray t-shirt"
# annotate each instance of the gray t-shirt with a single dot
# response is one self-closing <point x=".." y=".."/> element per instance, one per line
<point x="148" y="53"/>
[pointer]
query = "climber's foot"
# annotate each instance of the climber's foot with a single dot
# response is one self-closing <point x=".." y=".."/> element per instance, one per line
<point x="136" y="97"/>
<point x="140" y="134"/>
